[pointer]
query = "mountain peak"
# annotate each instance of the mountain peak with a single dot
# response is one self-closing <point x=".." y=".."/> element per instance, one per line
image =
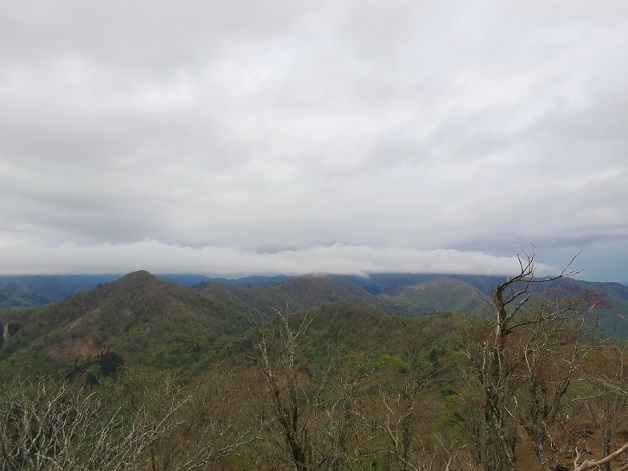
<point x="138" y="281"/>
<point x="139" y="274"/>
<point x="137" y="277"/>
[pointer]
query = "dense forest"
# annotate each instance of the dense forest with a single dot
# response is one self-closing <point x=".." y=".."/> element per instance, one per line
<point x="316" y="373"/>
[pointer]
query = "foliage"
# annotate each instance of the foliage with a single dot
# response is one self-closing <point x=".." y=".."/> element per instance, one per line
<point x="196" y="381"/>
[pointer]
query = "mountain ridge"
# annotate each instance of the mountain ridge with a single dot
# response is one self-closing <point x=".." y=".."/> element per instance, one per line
<point x="139" y="316"/>
<point x="96" y="313"/>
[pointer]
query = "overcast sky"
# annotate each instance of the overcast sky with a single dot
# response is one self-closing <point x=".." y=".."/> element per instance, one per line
<point x="346" y="136"/>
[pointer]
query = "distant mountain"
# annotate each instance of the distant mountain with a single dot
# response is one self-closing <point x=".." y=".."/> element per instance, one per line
<point x="261" y="299"/>
<point x="428" y="294"/>
<point x="12" y="299"/>
<point x="402" y="294"/>
<point x="385" y="283"/>
<point x="144" y="318"/>
<point x="613" y="318"/>
<point x="24" y="291"/>
<point x="155" y="321"/>
<point x="441" y="294"/>
<point x="140" y="317"/>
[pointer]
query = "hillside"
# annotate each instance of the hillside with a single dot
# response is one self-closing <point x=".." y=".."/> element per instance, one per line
<point x="139" y="317"/>
<point x="427" y="294"/>
<point x="213" y="371"/>
<point x="403" y="294"/>
<point x="295" y="294"/>
<point x="440" y="295"/>
<point x="257" y="298"/>
<point x="25" y="291"/>
<point x="147" y="320"/>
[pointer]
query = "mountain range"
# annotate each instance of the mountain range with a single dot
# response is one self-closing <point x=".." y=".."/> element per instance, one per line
<point x="158" y="322"/>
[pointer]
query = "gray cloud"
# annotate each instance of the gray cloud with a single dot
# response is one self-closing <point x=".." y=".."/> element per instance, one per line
<point x="342" y="127"/>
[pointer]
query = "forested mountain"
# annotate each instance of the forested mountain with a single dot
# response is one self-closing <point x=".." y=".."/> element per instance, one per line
<point x="441" y="294"/>
<point x="402" y="294"/>
<point x="156" y="322"/>
<point x="314" y="372"/>
<point x="295" y="294"/>
<point x="138" y="316"/>
<point x="34" y="290"/>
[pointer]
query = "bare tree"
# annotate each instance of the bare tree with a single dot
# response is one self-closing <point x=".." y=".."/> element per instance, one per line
<point x="311" y="414"/>
<point x="284" y="394"/>
<point x="602" y="461"/>
<point x="406" y="404"/>
<point x="552" y="350"/>
<point x="606" y="378"/>
<point x="204" y="422"/>
<point x="507" y="354"/>
<point x="49" y="425"/>
<point x="399" y="423"/>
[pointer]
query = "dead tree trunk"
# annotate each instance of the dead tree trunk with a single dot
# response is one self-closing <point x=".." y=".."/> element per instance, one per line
<point x="497" y="357"/>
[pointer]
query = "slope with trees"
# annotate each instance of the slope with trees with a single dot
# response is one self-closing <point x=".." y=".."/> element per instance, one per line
<point x="195" y="379"/>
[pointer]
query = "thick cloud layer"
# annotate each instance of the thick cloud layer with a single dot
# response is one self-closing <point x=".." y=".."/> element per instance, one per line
<point x="290" y="137"/>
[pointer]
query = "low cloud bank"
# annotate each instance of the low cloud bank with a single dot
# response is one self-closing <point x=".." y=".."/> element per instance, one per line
<point x="158" y="257"/>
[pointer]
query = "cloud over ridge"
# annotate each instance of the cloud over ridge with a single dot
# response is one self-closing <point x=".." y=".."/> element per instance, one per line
<point x="231" y="261"/>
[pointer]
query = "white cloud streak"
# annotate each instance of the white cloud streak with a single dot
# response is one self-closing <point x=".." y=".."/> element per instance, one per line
<point x="162" y="258"/>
